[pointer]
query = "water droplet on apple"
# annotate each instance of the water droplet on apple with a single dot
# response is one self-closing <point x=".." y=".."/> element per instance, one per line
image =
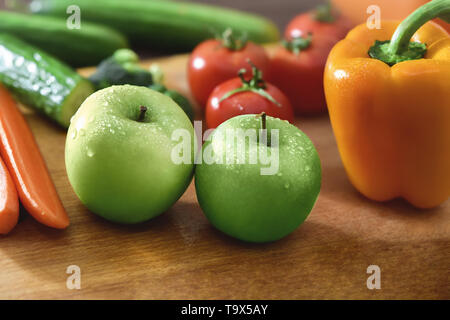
<point x="74" y="134"/>
<point x="90" y="153"/>
<point x="279" y="174"/>
<point x="286" y="185"/>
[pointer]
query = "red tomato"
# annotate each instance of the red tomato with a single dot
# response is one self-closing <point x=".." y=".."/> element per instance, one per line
<point x="246" y="102"/>
<point x="211" y="64"/>
<point x="300" y="76"/>
<point x="315" y="22"/>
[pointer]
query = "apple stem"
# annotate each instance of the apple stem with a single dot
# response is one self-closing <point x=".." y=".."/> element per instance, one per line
<point x="263" y="120"/>
<point x="264" y="135"/>
<point x="142" y="111"/>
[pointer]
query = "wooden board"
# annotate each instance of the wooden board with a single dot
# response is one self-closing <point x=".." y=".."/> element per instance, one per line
<point x="180" y="256"/>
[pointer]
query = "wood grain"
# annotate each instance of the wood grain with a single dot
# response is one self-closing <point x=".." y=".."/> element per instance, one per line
<point x="180" y="256"/>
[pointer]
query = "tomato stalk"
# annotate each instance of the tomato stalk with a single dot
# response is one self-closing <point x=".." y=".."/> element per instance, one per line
<point x="324" y="13"/>
<point x="231" y="41"/>
<point x="298" y="44"/>
<point x="256" y="84"/>
<point x="400" y="48"/>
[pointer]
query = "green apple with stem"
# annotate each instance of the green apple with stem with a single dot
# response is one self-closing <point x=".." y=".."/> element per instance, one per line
<point x="242" y="199"/>
<point x="119" y="153"/>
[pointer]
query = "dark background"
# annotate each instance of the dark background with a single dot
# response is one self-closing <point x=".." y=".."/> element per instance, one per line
<point x="280" y="11"/>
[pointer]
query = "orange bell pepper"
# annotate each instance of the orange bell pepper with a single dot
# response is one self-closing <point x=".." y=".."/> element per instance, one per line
<point x="392" y="122"/>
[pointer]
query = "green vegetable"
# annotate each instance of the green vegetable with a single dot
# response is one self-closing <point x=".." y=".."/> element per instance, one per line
<point x="121" y="68"/>
<point x="165" y="24"/>
<point x="40" y="81"/>
<point x="78" y="47"/>
<point x="181" y="100"/>
<point x="158" y="85"/>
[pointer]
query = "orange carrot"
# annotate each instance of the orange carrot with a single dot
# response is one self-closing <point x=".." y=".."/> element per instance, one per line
<point x="21" y="154"/>
<point x="9" y="202"/>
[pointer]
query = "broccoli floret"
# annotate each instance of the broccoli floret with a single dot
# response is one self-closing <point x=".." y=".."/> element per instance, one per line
<point x="121" y="68"/>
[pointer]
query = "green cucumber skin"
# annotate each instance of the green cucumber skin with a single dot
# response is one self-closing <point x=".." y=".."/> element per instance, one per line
<point x="164" y="24"/>
<point x="37" y="79"/>
<point x="77" y="47"/>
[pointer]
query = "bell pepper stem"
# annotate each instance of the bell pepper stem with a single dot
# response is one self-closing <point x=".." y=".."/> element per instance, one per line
<point x="402" y="36"/>
<point x="400" y="48"/>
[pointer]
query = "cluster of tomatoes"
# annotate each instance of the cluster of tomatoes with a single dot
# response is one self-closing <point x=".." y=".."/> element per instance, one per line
<point x="230" y="76"/>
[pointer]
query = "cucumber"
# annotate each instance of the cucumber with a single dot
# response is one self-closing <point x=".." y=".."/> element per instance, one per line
<point x="78" y="47"/>
<point x="164" y="24"/>
<point x="41" y="81"/>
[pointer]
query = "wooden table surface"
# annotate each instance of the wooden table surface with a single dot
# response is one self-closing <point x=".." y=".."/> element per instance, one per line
<point x="179" y="255"/>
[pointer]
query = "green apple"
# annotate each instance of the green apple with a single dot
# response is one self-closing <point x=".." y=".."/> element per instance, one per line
<point x="119" y="153"/>
<point x="245" y="199"/>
